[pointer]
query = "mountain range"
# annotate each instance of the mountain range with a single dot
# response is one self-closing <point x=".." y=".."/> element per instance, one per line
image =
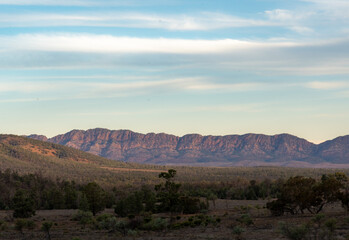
<point x="198" y="150"/>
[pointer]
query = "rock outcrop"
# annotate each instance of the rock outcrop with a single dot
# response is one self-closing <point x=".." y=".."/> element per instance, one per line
<point x="194" y="149"/>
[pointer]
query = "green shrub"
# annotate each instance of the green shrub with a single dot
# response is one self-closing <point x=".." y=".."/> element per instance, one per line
<point x="112" y="224"/>
<point x="103" y="217"/>
<point x="30" y="224"/>
<point x="3" y="225"/>
<point x="20" y="224"/>
<point x="155" y="224"/>
<point x="245" y="219"/>
<point x="237" y="231"/>
<point x="83" y="217"/>
<point x="23" y="205"/>
<point x="294" y="232"/>
<point x="132" y="233"/>
<point x="46" y="227"/>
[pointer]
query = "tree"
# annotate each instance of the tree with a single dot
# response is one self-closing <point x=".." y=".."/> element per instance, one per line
<point x="70" y="195"/>
<point x="23" y="205"/>
<point x="168" y="194"/>
<point x="304" y="193"/>
<point x="130" y="205"/>
<point x="329" y="189"/>
<point x="95" y="196"/>
<point x="83" y="203"/>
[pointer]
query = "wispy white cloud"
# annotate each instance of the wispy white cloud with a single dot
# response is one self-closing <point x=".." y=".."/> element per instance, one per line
<point x="302" y="29"/>
<point x="334" y="9"/>
<point x="29" y="87"/>
<point x="81" y="3"/>
<point x="183" y="22"/>
<point x="328" y="85"/>
<point x="226" y="87"/>
<point x="251" y="108"/>
<point x="102" y="88"/>
<point x="282" y="15"/>
<point x="294" y="20"/>
<point x="65" y="51"/>
<point x="112" y="44"/>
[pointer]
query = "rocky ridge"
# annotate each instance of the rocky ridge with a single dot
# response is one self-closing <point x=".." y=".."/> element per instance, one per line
<point x="197" y="150"/>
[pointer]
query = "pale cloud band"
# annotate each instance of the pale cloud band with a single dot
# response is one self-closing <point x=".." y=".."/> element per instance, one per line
<point x="183" y="22"/>
<point x="112" y="44"/>
<point x="106" y="51"/>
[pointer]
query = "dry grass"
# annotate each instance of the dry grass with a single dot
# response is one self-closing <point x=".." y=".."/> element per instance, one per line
<point x="264" y="226"/>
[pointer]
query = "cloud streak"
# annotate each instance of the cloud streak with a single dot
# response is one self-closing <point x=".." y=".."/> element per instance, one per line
<point x="69" y="51"/>
<point x="112" y="44"/>
<point x="81" y="3"/>
<point x="327" y="85"/>
<point x="175" y="22"/>
<point x="183" y="84"/>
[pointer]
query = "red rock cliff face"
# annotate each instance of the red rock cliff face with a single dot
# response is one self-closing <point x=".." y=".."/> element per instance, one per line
<point x="194" y="149"/>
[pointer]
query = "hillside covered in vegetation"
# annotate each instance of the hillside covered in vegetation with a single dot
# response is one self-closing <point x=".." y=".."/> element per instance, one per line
<point x="217" y="151"/>
<point x="26" y="155"/>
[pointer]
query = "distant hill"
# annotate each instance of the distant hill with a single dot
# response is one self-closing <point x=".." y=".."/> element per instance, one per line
<point x="27" y="155"/>
<point x="197" y="150"/>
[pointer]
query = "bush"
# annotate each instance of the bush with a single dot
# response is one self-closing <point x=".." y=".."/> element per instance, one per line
<point x="3" y="225"/>
<point x="245" y="219"/>
<point x="46" y="227"/>
<point x="83" y="217"/>
<point x="23" y="205"/>
<point x="112" y="224"/>
<point x="30" y="224"/>
<point x="237" y="231"/>
<point x="155" y="224"/>
<point x="276" y="208"/>
<point x="95" y="196"/>
<point x="294" y="232"/>
<point x="132" y="205"/>
<point x="21" y="224"/>
<point x="103" y="217"/>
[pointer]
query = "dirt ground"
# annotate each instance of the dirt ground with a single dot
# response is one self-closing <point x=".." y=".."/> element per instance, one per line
<point x="264" y="226"/>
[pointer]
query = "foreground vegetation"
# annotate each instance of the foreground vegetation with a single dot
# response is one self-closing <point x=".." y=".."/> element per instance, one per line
<point x="56" y="192"/>
<point x="169" y="207"/>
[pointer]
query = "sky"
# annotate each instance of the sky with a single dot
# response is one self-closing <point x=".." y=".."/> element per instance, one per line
<point x="175" y="66"/>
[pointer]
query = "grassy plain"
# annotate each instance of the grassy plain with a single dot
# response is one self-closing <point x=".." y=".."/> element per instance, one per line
<point x="262" y="227"/>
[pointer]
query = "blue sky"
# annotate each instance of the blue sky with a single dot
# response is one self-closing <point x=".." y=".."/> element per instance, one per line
<point x="175" y="66"/>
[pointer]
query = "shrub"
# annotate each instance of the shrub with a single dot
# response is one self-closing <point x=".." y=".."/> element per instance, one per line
<point x="112" y="224"/>
<point x="30" y="224"/>
<point x="294" y="232"/>
<point x="103" y="217"/>
<point x="237" y="231"/>
<point x="245" y="219"/>
<point x="83" y="217"/>
<point x="95" y="196"/>
<point x="23" y="205"/>
<point x="46" y="227"/>
<point x="276" y="207"/>
<point x="20" y="224"/>
<point x="132" y="205"/>
<point x="155" y="224"/>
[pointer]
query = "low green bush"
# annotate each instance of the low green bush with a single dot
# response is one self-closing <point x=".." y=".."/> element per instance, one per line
<point x="155" y="224"/>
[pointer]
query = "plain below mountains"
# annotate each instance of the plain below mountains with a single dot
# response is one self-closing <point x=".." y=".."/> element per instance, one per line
<point x="197" y="150"/>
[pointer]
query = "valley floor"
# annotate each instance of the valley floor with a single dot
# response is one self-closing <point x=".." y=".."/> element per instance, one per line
<point x="262" y="227"/>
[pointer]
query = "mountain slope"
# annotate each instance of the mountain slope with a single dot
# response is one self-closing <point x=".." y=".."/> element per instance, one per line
<point x="197" y="150"/>
<point x="27" y="155"/>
